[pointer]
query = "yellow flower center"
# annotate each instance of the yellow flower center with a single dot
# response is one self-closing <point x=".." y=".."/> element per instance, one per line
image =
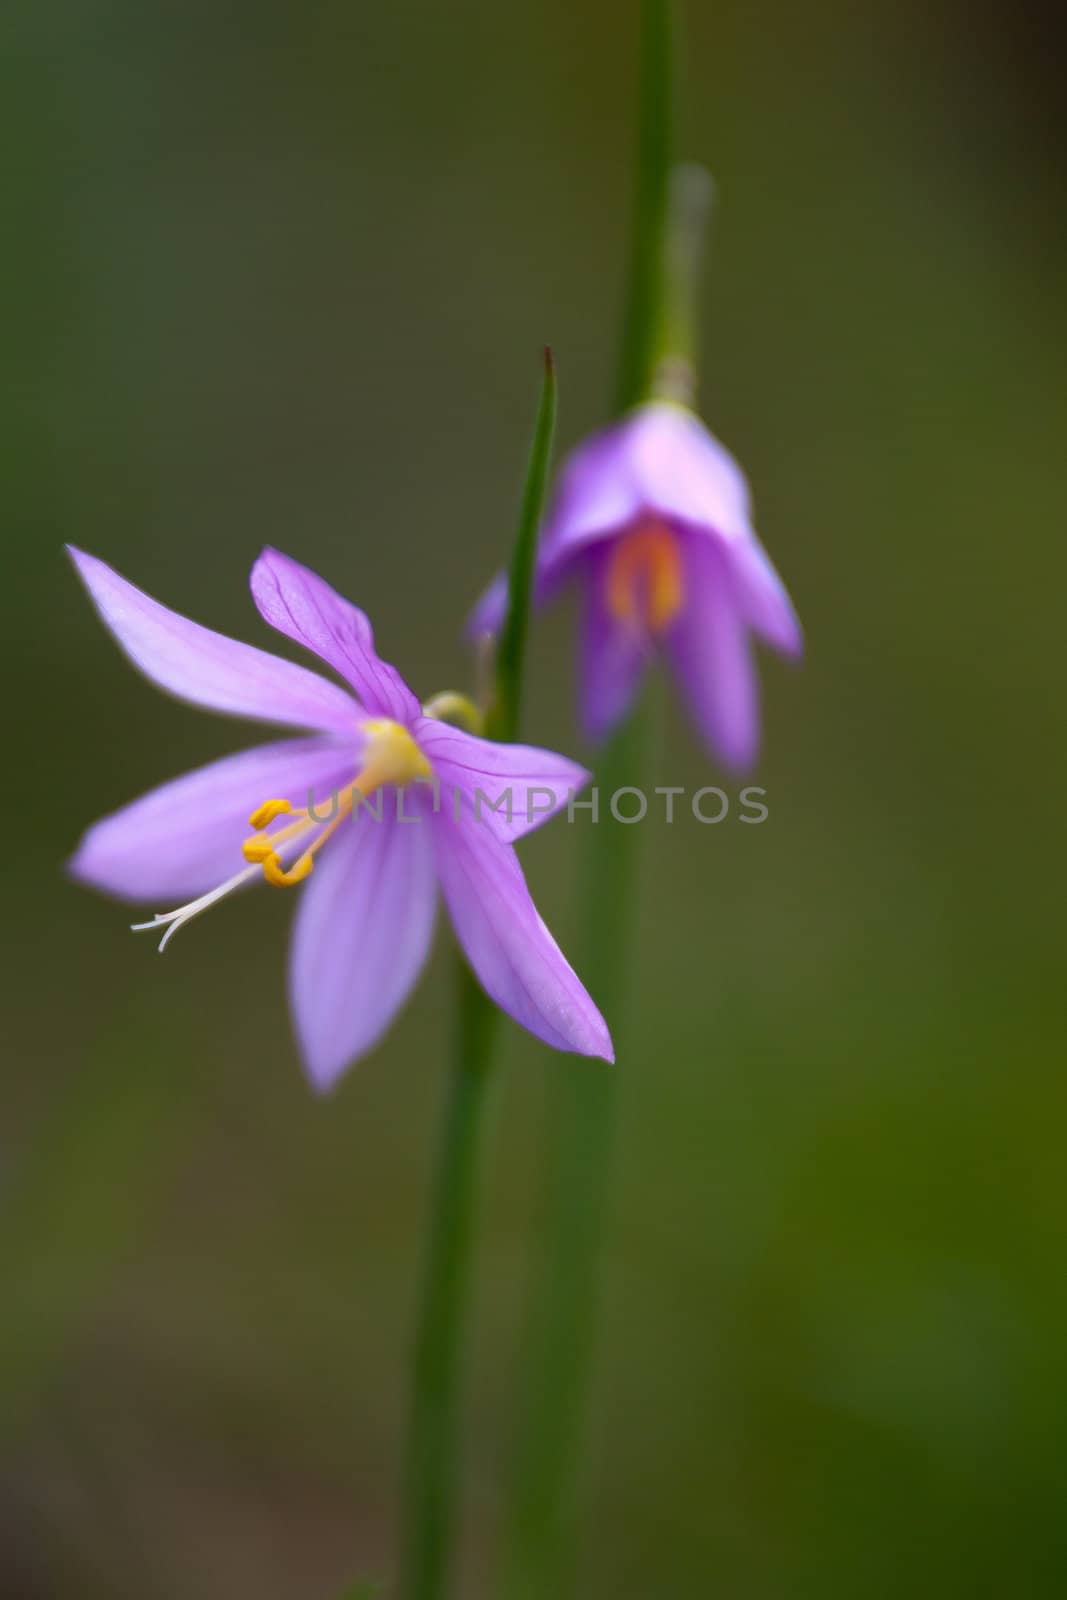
<point x="644" y="578"/>
<point x="390" y="756"/>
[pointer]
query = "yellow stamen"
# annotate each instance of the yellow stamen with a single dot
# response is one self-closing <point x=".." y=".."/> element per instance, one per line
<point x="259" y="847"/>
<point x="276" y="874"/>
<point x="256" y="851"/>
<point x="391" y="756"/>
<point x="267" y="813"/>
<point x="644" y="578"/>
<point x="282" y="878"/>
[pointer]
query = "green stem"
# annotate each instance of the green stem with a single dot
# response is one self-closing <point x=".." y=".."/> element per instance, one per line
<point x="539" y="1535"/>
<point x="432" y="1443"/>
<point x="647" y="289"/>
<point x="445" y="1298"/>
<point x="582" y="1115"/>
<point x="502" y="721"/>
<point x="673" y="362"/>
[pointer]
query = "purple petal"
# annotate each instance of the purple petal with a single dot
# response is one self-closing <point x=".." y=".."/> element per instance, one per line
<point x="205" y="667"/>
<point x="530" y="784"/>
<point x="682" y="472"/>
<point x="659" y="461"/>
<point x="613" y="657"/>
<point x="708" y="649"/>
<point x="489" y="613"/>
<point x="767" y="607"/>
<point x="362" y="933"/>
<point x="301" y="605"/>
<point x="185" y="838"/>
<point x="511" y="951"/>
<point x="597" y="492"/>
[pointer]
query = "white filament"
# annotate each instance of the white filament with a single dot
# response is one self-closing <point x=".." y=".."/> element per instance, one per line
<point x="173" y="920"/>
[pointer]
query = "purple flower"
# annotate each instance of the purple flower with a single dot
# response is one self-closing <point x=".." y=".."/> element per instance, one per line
<point x="652" y="519"/>
<point x="365" y="919"/>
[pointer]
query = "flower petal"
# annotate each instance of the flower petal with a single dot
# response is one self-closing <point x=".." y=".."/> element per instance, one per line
<point x="597" y="492"/>
<point x="197" y="664"/>
<point x="767" y="606"/>
<point x="613" y="657"/>
<point x="489" y="612"/>
<point x="362" y="933"/>
<point x="683" y="472"/>
<point x="514" y="956"/>
<point x="301" y="605"/>
<point x="528" y="785"/>
<point x="658" y="461"/>
<point x="708" y="649"/>
<point x="184" y="838"/>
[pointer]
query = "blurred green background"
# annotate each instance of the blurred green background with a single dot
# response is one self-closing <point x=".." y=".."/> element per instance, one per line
<point x="282" y="272"/>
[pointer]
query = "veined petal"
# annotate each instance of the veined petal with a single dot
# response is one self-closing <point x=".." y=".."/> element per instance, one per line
<point x="613" y="656"/>
<point x="514" y="956"/>
<point x="304" y="607"/>
<point x="709" y="651"/>
<point x="763" y="597"/>
<point x="197" y="664"/>
<point x="361" y="937"/>
<point x="182" y="839"/>
<point x="511" y="788"/>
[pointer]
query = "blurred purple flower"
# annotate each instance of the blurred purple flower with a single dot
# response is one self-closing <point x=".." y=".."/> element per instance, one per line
<point x="652" y="519"/>
<point x="365" y="921"/>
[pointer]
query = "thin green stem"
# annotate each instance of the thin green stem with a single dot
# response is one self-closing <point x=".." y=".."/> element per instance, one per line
<point x="445" y="1297"/>
<point x="582" y="1114"/>
<point x="583" y="1099"/>
<point x="502" y="720"/>
<point x="674" y="365"/>
<point x="647" y="286"/>
<point x="447" y="1273"/>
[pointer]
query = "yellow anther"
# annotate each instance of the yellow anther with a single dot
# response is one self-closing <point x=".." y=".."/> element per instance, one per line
<point x="644" y="578"/>
<point x="257" y="849"/>
<point x="267" y="812"/>
<point x="390" y="755"/>
<point x="281" y="878"/>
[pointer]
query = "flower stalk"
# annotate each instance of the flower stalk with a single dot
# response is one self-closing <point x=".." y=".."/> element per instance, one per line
<point x="692" y="193"/>
<point x="539" y="1534"/>
<point x="442" y="1314"/>
<point x="646" y="289"/>
<point x="445" y="1295"/>
<point x="562" y="1319"/>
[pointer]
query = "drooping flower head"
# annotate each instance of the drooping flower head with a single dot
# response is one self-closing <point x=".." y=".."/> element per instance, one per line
<point x="379" y="806"/>
<point x="652" y="521"/>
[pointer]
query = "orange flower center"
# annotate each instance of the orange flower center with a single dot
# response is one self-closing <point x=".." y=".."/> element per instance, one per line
<point x="644" y="578"/>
